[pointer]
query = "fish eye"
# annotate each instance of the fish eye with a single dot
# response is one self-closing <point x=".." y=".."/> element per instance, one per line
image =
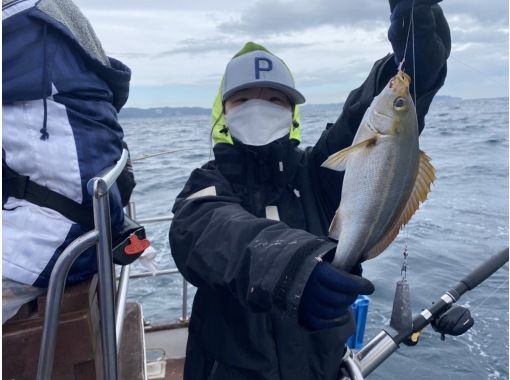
<point x="400" y="104"/>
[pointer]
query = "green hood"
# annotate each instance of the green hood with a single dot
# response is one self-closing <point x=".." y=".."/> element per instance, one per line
<point x="220" y="133"/>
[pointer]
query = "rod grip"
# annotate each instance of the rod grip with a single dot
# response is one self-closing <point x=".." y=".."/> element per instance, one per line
<point x="482" y="272"/>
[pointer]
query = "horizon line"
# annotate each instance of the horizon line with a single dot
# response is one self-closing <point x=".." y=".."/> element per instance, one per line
<point x="307" y="104"/>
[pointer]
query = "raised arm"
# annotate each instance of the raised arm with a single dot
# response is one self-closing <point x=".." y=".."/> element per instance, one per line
<point x="432" y="48"/>
<point x="432" y="42"/>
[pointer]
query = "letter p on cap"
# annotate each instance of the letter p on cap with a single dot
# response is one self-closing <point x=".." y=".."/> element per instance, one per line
<point x="262" y="64"/>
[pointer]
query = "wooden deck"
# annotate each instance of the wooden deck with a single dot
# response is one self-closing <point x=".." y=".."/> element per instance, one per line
<point x="174" y="369"/>
<point x="77" y="355"/>
<point x="78" y="352"/>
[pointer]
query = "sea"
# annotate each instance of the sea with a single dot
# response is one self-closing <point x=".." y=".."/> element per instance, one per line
<point x="464" y="221"/>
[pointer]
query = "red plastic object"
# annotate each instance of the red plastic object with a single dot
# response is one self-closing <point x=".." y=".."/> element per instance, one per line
<point x="136" y="246"/>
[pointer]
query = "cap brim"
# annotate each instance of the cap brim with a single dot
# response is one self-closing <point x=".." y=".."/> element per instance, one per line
<point x="294" y="95"/>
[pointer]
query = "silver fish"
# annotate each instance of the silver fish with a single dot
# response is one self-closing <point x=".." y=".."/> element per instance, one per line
<point x="386" y="176"/>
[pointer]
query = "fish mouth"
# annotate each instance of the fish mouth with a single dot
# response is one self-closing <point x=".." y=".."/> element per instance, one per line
<point x="400" y="82"/>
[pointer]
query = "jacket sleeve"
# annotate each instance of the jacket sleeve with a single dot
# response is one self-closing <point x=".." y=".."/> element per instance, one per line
<point x="432" y="48"/>
<point x="428" y="50"/>
<point x="216" y="243"/>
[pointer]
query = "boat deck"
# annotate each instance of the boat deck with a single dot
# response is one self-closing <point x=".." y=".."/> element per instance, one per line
<point x="166" y="350"/>
<point x="174" y="369"/>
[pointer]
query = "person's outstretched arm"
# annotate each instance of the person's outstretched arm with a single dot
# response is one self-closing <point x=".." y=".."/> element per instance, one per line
<point x="216" y="243"/>
<point x="264" y="264"/>
<point x="432" y="48"/>
<point x="431" y="42"/>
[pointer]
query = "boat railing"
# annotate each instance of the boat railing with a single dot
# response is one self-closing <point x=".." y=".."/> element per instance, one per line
<point x="125" y="272"/>
<point x="100" y="236"/>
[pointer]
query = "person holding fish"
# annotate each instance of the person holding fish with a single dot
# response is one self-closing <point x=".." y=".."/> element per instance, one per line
<point x="256" y="229"/>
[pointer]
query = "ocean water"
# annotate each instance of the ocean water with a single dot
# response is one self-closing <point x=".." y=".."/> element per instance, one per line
<point x="464" y="221"/>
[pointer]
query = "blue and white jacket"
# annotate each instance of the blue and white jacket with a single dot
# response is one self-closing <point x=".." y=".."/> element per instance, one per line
<point x="61" y="95"/>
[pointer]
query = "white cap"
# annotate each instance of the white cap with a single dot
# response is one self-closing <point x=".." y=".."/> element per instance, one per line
<point x="259" y="69"/>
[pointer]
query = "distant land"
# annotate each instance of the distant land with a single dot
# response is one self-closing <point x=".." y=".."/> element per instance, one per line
<point x="447" y="97"/>
<point x="132" y="112"/>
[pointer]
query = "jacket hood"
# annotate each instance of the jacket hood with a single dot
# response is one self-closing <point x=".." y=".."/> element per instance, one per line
<point x="66" y="17"/>
<point x="220" y="132"/>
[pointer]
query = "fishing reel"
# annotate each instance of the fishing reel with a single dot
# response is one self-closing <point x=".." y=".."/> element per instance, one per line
<point x="456" y="321"/>
<point x="356" y="366"/>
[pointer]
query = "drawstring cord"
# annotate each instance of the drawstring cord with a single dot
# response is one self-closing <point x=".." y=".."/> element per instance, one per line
<point x="44" y="131"/>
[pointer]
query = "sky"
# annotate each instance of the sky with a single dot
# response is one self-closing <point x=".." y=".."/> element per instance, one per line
<point x="178" y="50"/>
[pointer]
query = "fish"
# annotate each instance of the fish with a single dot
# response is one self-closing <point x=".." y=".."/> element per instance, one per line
<point x="386" y="176"/>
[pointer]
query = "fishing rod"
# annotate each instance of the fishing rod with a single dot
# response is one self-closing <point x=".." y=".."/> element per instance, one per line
<point x="356" y="366"/>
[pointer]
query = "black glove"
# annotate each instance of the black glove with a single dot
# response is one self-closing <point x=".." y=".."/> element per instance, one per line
<point x="431" y="45"/>
<point x="409" y="3"/>
<point x="327" y="296"/>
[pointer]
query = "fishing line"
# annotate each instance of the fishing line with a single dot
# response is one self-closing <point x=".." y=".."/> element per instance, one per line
<point x="162" y="153"/>
<point x="407" y="38"/>
<point x="414" y="54"/>
<point x="401" y="314"/>
<point x="410" y="33"/>
<point x="465" y="64"/>
<point x="489" y="296"/>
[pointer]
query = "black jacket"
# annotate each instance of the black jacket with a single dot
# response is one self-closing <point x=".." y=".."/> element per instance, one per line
<point x="250" y="271"/>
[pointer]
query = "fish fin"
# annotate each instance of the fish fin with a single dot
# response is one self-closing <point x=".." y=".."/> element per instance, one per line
<point x="423" y="181"/>
<point x="422" y="186"/>
<point x="334" y="227"/>
<point x="338" y="161"/>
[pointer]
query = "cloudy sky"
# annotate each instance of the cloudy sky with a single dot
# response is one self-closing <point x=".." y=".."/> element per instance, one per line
<point x="178" y="50"/>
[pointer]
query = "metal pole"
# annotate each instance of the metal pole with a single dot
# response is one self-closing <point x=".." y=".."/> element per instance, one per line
<point x="110" y="174"/>
<point x="101" y="206"/>
<point x="351" y="366"/>
<point x="184" y="316"/>
<point x="376" y="352"/>
<point x="120" y="306"/>
<point x="54" y="301"/>
<point x="156" y="219"/>
<point x="113" y="173"/>
<point x="158" y="273"/>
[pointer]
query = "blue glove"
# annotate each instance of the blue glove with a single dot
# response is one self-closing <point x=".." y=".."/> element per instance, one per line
<point x="327" y="296"/>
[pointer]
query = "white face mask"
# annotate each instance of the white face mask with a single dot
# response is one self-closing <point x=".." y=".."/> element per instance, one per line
<point x="258" y="122"/>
